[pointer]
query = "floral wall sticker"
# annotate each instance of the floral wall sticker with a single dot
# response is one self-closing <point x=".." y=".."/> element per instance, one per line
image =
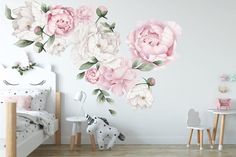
<point x="95" y="43"/>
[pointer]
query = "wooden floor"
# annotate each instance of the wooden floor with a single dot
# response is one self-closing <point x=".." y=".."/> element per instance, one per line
<point x="135" y="151"/>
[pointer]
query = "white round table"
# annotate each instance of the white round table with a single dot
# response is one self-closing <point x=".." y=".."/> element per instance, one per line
<point x="76" y="132"/>
<point x="223" y="114"/>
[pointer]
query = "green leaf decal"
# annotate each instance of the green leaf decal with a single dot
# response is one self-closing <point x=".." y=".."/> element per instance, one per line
<point x="80" y="75"/>
<point x="105" y="24"/>
<point x="98" y="12"/>
<point x="45" y="8"/>
<point x="8" y="13"/>
<point x="105" y="93"/>
<point x="86" y="65"/>
<point x="94" y="60"/>
<point x="95" y="91"/>
<point x="113" y="25"/>
<point x="146" y="67"/>
<point x="101" y="98"/>
<point x="158" y="63"/>
<point x="23" y="43"/>
<point x="39" y="44"/>
<point x="109" y="100"/>
<point x="136" y="63"/>
<point x="112" y="112"/>
<point x="51" y="40"/>
<point x="97" y="66"/>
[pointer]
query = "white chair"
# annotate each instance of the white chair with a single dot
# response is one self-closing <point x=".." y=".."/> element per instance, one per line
<point x="194" y="123"/>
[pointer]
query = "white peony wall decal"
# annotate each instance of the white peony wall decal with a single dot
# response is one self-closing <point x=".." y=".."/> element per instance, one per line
<point x="95" y="46"/>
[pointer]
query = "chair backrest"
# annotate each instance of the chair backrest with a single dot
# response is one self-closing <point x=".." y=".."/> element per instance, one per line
<point x="193" y="118"/>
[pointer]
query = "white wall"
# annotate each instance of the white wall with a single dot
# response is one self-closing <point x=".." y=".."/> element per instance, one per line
<point x="206" y="49"/>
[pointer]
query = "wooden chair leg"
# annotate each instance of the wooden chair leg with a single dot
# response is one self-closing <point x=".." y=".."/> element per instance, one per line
<point x="215" y="125"/>
<point x="222" y="127"/>
<point x="198" y="137"/>
<point x="209" y="138"/>
<point x="92" y="141"/>
<point x="190" y="137"/>
<point x="201" y="139"/>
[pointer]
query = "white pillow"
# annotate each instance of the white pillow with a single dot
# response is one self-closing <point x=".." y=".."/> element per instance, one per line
<point x="39" y="100"/>
<point x="39" y="96"/>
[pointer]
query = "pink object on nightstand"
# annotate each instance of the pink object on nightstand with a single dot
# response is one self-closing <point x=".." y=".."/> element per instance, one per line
<point x="225" y="103"/>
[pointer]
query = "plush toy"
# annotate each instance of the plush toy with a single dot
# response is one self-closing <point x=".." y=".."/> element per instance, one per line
<point x="102" y="129"/>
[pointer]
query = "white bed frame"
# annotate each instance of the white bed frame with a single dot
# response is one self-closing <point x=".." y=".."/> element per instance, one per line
<point x="35" y="76"/>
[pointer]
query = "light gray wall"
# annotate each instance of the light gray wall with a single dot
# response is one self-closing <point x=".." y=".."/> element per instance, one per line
<point x="206" y="49"/>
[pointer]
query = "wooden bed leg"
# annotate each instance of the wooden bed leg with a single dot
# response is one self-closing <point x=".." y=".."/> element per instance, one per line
<point x="11" y="130"/>
<point x="58" y="116"/>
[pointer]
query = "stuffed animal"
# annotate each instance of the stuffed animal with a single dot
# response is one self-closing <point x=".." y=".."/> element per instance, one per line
<point x="102" y="129"/>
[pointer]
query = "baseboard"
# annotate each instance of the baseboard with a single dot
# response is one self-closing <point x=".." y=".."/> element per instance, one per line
<point x="152" y="140"/>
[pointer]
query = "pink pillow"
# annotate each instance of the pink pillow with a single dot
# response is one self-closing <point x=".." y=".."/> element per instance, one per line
<point x="23" y="102"/>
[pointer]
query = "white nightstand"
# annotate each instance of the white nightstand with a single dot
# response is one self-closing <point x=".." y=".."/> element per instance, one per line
<point x="76" y="132"/>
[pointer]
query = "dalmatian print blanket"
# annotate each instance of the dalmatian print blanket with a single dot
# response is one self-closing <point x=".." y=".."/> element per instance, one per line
<point x="41" y="119"/>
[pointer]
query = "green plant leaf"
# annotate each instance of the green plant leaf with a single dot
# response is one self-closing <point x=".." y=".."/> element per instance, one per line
<point x="107" y="31"/>
<point x="21" y="72"/>
<point x="103" y="99"/>
<point x="109" y="100"/>
<point x="51" y="40"/>
<point x="105" y="93"/>
<point x="112" y="112"/>
<point x="146" y="67"/>
<point x="39" y="44"/>
<point x="80" y="75"/>
<point x="23" y="43"/>
<point x="98" y="12"/>
<point x="100" y="98"/>
<point x="113" y="25"/>
<point x="105" y="24"/>
<point x="8" y="13"/>
<point x="86" y="65"/>
<point x="136" y="63"/>
<point x="97" y="66"/>
<point x="95" y="91"/>
<point x="94" y="60"/>
<point x="40" y="49"/>
<point x="158" y="63"/>
<point x="45" y="8"/>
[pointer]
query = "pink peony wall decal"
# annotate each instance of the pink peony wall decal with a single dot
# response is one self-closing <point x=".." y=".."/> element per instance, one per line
<point x="154" y="41"/>
<point x="95" y="45"/>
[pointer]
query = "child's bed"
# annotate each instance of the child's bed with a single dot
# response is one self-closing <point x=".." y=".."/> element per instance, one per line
<point x="21" y="130"/>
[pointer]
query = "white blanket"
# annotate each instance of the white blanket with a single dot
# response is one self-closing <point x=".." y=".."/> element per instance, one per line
<point x="42" y="118"/>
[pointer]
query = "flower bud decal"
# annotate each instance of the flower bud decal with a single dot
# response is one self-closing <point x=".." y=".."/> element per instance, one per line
<point x="151" y="81"/>
<point x="38" y="30"/>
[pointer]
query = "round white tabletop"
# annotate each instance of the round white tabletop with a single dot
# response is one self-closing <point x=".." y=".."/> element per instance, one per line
<point x="216" y="111"/>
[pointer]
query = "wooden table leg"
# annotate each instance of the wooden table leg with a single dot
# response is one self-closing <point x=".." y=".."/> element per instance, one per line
<point x="92" y="141"/>
<point x="222" y="128"/>
<point x="190" y="137"/>
<point x="78" y="139"/>
<point x="215" y="125"/>
<point x="73" y="136"/>
<point x="72" y="142"/>
<point x="209" y="138"/>
<point x="201" y="139"/>
<point x="198" y="137"/>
